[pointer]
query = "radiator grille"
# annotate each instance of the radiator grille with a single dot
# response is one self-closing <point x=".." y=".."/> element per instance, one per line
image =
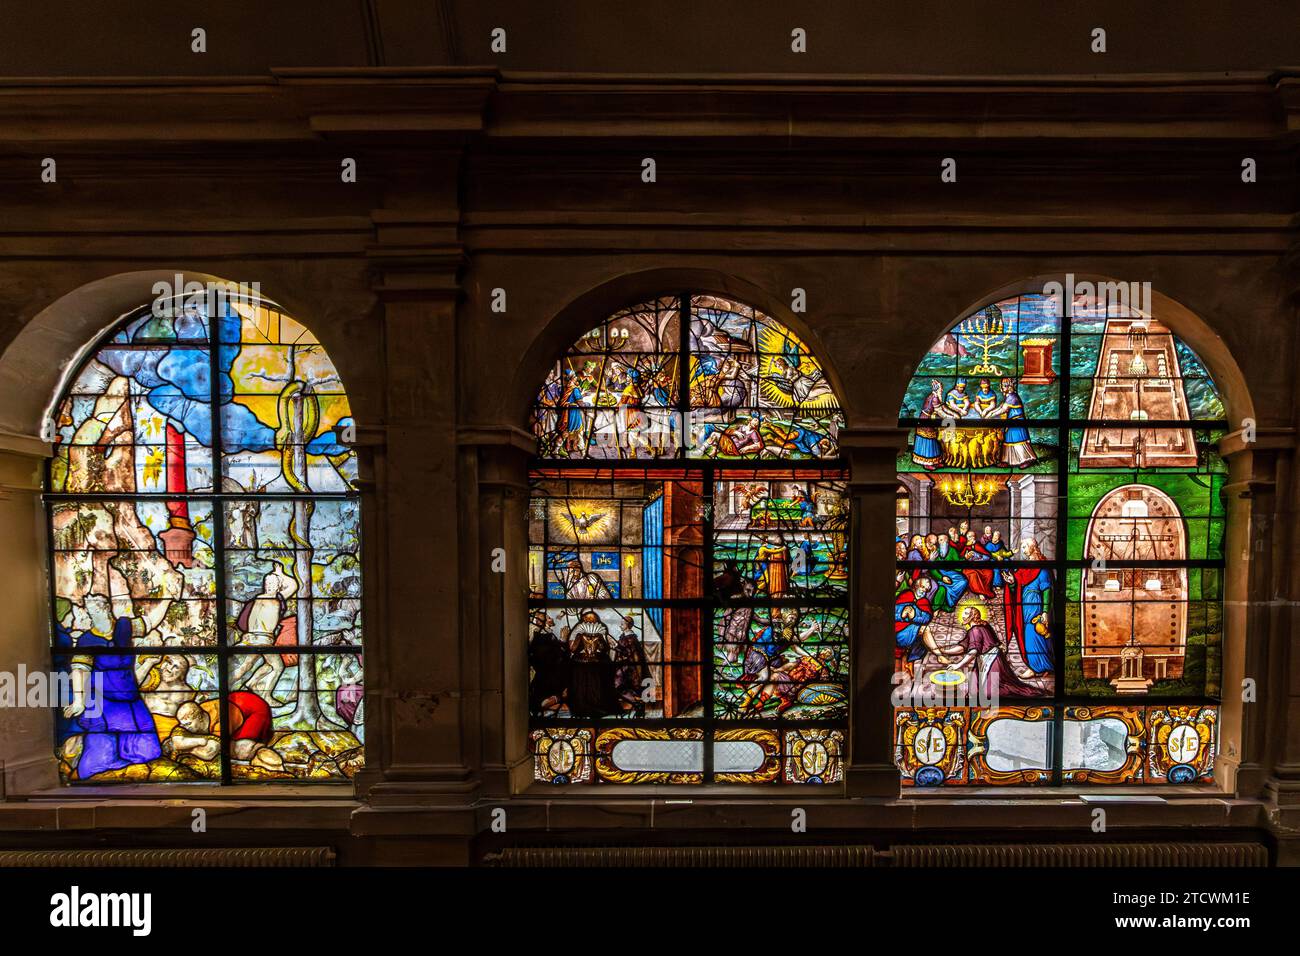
<point x="242" y="856"/>
<point x="951" y="855"/>
<point x="686" y="856"/>
<point x="1084" y="854"/>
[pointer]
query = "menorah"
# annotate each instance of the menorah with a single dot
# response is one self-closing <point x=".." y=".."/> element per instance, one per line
<point x="986" y="332"/>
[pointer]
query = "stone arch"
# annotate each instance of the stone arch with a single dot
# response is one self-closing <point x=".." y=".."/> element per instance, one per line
<point x="35" y="369"/>
<point x="1119" y="604"/>
<point x="35" y="365"/>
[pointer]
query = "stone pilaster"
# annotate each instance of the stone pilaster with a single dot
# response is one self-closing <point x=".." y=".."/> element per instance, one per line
<point x="872" y="455"/>
<point x="494" y="496"/>
<point x="418" y="667"/>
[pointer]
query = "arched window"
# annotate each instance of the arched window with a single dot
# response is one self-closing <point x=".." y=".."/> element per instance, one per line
<point x="688" y="558"/>
<point x="1060" y="550"/>
<point x="206" y="594"/>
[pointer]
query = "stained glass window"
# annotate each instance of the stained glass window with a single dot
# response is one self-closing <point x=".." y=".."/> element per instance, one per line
<point x="1058" y="592"/>
<point x="206" y="590"/>
<point x="688" y="554"/>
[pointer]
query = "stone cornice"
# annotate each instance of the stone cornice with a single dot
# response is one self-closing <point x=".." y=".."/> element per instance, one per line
<point x="1266" y="439"/>
<point x="433" y="105"/>
<point x="450" y="104"/>
<point x="28" y="446"/>
<point x="1255" y="105"/>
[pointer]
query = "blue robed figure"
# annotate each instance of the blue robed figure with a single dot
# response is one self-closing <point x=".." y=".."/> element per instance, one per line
<point x="573" y="398"/>
<point x="911" y="613"/>
<point x="1027" y="600"/>
<point x="998" y="551"/>
<point x="1016" y="449"/>
<point x="123" y="731"/>
<point x="759" y="654"/>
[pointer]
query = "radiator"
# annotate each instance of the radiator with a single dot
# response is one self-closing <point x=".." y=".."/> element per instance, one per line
<point x="241" y="856"/>
<point x="1083" y="854"/>
<point x="951" y="855"/>
<point x="685" y="856"/>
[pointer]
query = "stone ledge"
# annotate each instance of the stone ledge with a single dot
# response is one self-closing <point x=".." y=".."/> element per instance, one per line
<point x="222" y="813"/>
<point x="534" y="814"/>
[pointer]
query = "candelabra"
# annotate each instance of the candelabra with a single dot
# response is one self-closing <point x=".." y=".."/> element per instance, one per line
<point x="986" y="332"/>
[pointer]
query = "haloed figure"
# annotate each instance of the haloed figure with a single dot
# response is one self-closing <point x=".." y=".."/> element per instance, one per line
<point x="591" y="683"/>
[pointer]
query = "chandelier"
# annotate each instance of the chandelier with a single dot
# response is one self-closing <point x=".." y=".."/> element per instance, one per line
<point x="963" y="492"/>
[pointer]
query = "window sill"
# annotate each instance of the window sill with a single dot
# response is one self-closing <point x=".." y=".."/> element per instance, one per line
<point x="796" y="794"/>
<point x="172" y="808"/>
<point x="171" y="792"/>
<point x="985" y="811"/>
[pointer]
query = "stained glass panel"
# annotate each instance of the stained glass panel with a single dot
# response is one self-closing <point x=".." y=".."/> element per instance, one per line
<point x="676" y="607"/>
<point x="191" y="609"/>
<point x="1049" y="514"/>
<point x="754" y="390"/>
<point x="616" y="393"/>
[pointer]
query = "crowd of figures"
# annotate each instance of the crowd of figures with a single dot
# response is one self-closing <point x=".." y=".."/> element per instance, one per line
<point x="754" y="390"/>
<point x="945" y="618"/>
<point x="587" y="670"/>
<point x="775" y="659"/>
<point x="951" y="446"/>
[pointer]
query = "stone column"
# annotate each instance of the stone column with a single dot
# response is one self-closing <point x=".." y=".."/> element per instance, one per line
<point x="1273" y="738"/>
<point x="1259" y="745"/>
<point x="1256" y="626"/>
<point x="424" y="754"/>
<point x="494" y="470"/>
<point x="872" y="456"/>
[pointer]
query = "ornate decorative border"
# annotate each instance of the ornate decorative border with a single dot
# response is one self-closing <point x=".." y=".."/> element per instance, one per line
<point x="609" y="772"/>
<point x="951" y="724"/>
<point x="814" y="755"/>
<point x="767" y="740"/>
<point x="1131" y="770"/>
<point x="1162" y="765"/>
<point x="575" y="765"/>
<point x="977" y="746"/>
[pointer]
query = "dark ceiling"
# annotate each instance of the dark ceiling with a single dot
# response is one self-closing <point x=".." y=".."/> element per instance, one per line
<point x="71" y="38"/>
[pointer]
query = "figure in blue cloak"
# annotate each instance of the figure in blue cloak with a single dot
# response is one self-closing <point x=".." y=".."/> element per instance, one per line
<point x="122" y="731"/>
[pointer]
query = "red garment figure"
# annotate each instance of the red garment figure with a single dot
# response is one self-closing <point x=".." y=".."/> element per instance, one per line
<point x="250" y="717"/>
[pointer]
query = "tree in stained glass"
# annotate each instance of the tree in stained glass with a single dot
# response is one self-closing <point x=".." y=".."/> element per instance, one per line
<point x="207" y="602"/>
